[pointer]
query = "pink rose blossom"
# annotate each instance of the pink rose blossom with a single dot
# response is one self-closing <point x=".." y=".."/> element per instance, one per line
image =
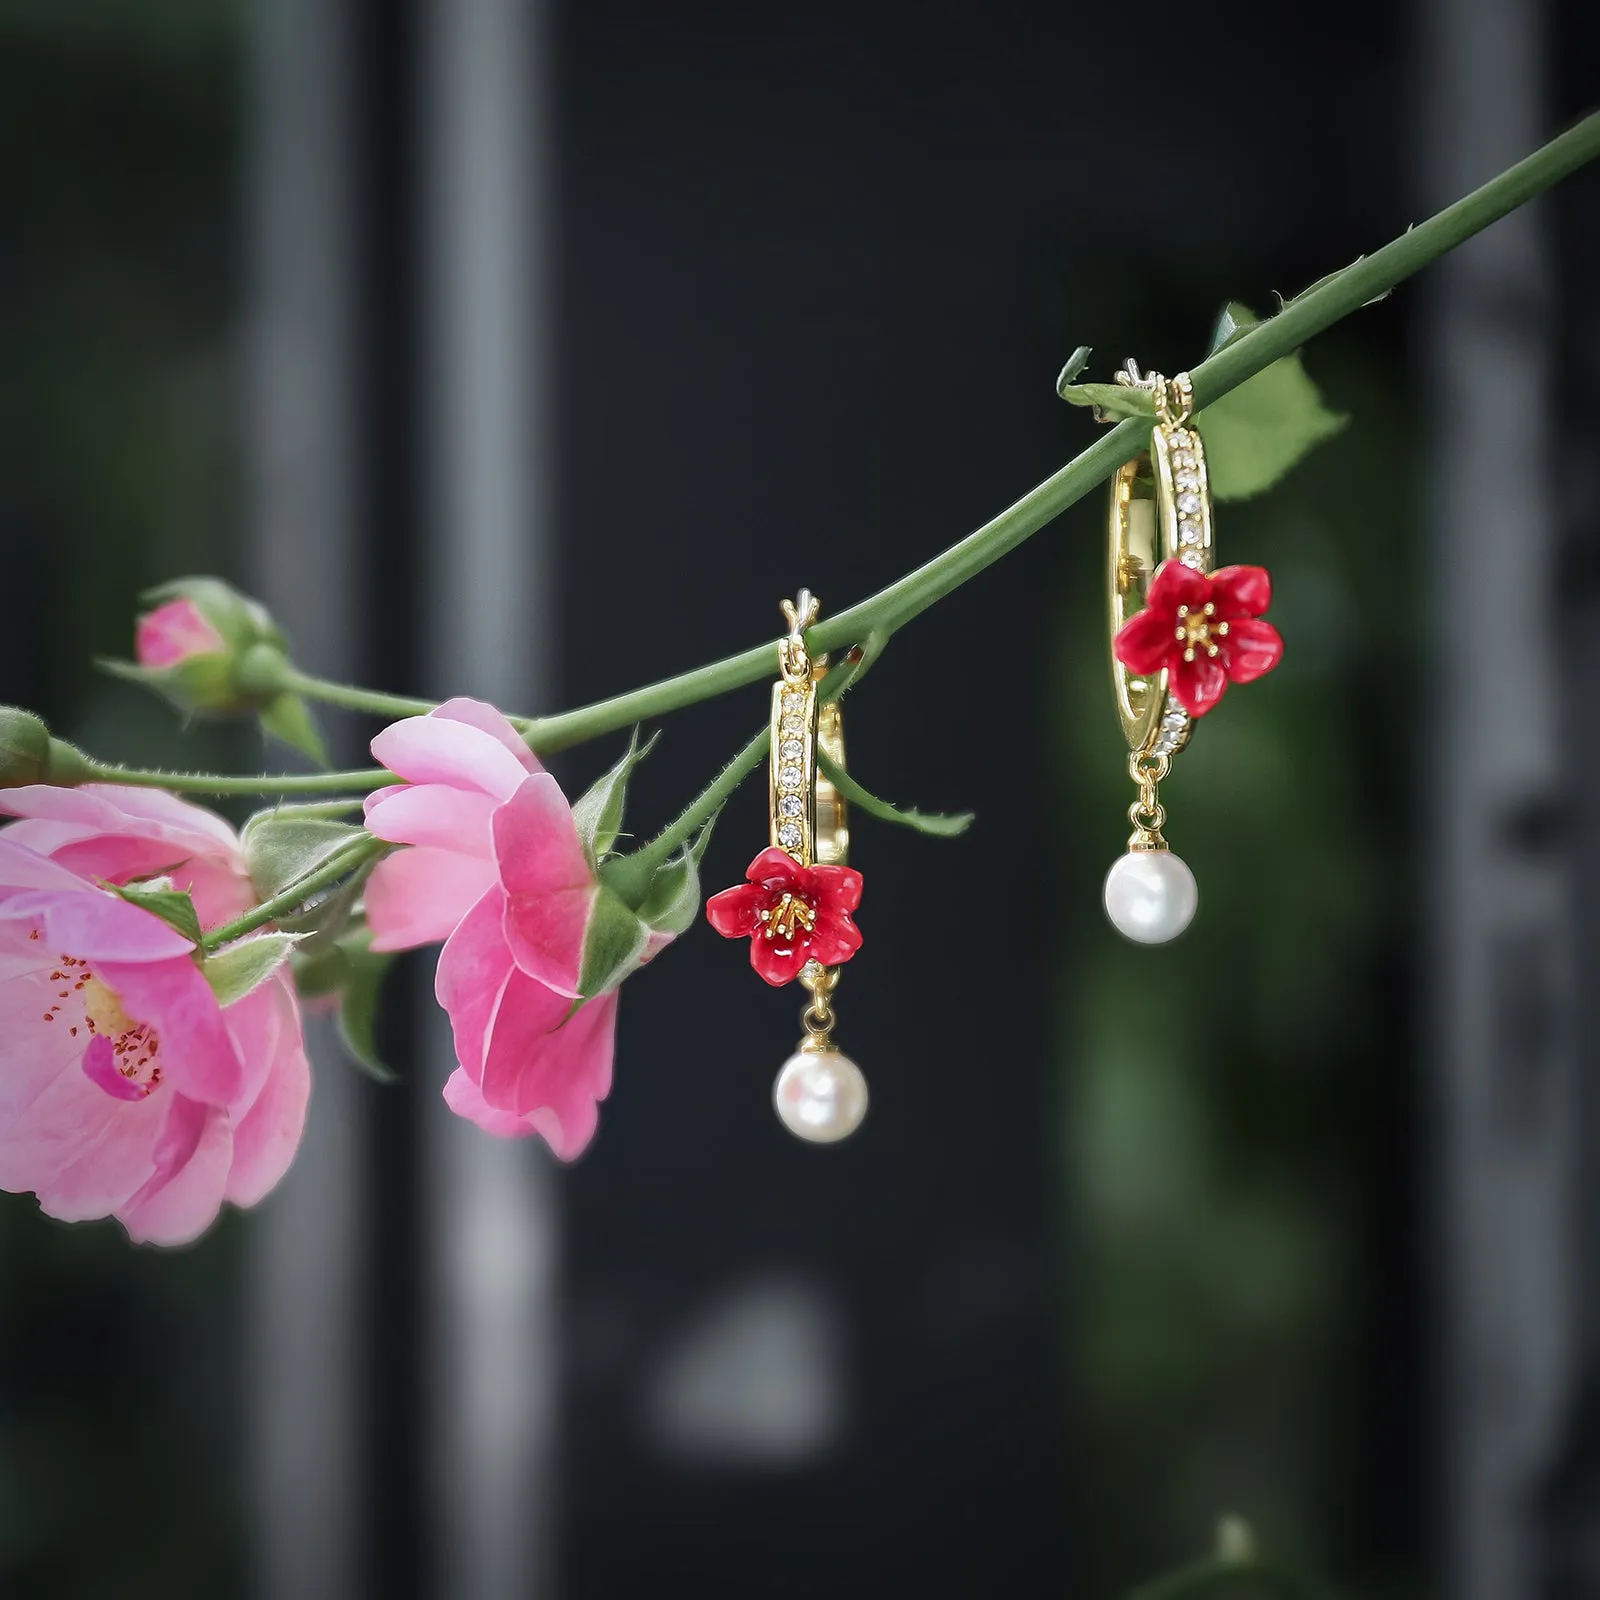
<point x="172" y="633"/>
<point x="125" y="1090"/>
<point x="496" y="869"/>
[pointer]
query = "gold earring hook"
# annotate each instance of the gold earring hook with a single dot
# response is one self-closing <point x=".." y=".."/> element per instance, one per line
<point x="1174" y="398"/>
<point x="794" y="661"/>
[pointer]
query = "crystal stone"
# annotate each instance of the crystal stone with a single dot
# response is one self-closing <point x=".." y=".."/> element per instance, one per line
<point x="789" y="778"/>
<point x="1189" y="502"/>
<point x="791" y="805"/>
<point x="789" y="836"/>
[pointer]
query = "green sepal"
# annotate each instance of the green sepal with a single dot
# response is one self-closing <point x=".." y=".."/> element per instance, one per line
<point x="238" y="969"/>
<point x="175" y="907"/>
<point x="357" y="1017"/>
<point x="350" y="969"/>
<point x="1256" y="433"/>
<point x="319" y="971"/>
<point x="674" y="896"/>
<point x="289" y="718"/>
<point x="197" y="683"/>
<point x="597" y="813"/>
<point x="358" y="1010"/>
<point x="697" y="848"/>
<point x="937" y="824"/>
<point x="283" y="845"/>
<point x="613" y="944"/>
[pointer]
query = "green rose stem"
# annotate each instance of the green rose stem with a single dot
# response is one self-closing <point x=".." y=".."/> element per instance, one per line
<point x="354" y="854"/>
<point x="872" y="621"/>
<point x="221" y="783"/>
<point x="1309" y="314"/>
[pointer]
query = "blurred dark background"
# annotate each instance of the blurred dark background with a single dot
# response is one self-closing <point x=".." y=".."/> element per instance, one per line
<point x="534" y="351"/>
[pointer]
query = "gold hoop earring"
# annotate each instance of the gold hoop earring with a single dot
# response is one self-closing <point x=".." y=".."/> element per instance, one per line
<point x="1180" y="633"/>
<point x="796" y="903"/>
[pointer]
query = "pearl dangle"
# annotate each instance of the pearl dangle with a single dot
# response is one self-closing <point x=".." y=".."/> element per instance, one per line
<point x="1150" y="893"/>
<point x="820" y="1094"/>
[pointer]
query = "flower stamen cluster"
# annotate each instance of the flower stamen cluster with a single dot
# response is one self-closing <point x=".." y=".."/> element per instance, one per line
<point x="1195" y="629"/>
<point x="791" y="912"/>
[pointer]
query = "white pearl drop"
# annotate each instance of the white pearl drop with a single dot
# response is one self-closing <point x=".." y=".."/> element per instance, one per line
<point x="1151" y="896"/>
<point x="820" y="1095"/>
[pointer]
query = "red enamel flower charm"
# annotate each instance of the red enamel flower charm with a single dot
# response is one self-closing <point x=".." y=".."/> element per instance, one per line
<point x="1206" y="632"/>
<point x="791" y="914"/>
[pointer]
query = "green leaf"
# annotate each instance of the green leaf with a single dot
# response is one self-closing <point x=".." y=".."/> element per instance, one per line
<point x="1235" y="320"/>
<point x="237" y="969"/>
<point x="598" y="812"/>
<point x="357" y="1019"/>
<point x="283" y="845"/>
<point x="938" y="824"/>
<point x="1076" y="362"/>
<point x="1257" y="432"/>
<point x="613" y="945"/>
<point x="1114" y="399"/>
<point x="157" y="896"/>
<point x="287" y="717"/>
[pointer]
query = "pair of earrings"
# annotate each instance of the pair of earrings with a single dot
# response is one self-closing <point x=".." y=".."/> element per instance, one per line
<point x="1181" y="632"/>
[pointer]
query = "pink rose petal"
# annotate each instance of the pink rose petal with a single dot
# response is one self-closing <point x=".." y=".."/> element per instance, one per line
<point x="465" y="1098"/>
<point x="437" y="750"/>
<point x="172" y="633"/>
<point x="418" y="896"/>
<point x="182" y="1198"/>
<point x="478" y="714"/>
<point x="434" y="814"/>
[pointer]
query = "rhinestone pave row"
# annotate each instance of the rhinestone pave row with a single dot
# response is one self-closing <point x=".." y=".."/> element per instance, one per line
<point x="1187" y="461"/>
<point x="789" y="787"/>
